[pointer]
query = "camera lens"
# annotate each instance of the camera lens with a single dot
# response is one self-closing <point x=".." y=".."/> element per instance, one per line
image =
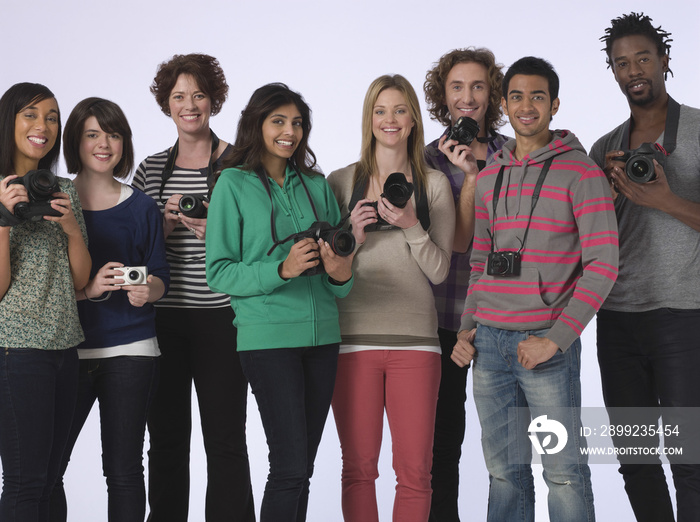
<point x="640" y="169"/>
<point x="41" y="184"/>
<point x="342" y="243"/>
<point x="499" y="264"/>
<point x="397" y="189"/>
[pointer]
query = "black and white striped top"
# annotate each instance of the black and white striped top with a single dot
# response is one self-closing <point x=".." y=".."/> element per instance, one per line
<point x="185" y="253"/>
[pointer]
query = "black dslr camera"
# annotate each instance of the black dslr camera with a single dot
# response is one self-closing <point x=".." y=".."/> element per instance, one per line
<point x="639" y="164"/>
<point x="342" y="242"/>
<point x="464" y="131"/>
<point x="503" y="264"/>
<point x="398" y="191"/>
<point x="192" y="205"/>
<point x="41" y="185"/>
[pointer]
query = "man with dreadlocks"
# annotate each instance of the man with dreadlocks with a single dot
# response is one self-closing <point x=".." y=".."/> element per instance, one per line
<point x="648" y="347"/>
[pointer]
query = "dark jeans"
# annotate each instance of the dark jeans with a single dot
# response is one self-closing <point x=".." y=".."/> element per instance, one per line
<point x="450" y="425"/>
<point x="293" y="388"/>
<point x="651" y="359"/>
<point x="199" y="344"/>
<point x="37" y="398"/>
<point x="124" y="387"/>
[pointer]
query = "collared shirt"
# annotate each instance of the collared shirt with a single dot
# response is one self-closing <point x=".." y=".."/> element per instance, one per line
<point x="450" y="295"/>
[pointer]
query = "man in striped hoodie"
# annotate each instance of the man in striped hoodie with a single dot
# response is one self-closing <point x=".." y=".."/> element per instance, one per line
<point x="545" y="256"/>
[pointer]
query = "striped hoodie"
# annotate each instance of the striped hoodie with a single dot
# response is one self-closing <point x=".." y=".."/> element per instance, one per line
<point x="569" y="262"/>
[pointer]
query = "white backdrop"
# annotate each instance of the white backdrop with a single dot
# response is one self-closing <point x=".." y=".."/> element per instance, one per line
<point x="330" y="52"/>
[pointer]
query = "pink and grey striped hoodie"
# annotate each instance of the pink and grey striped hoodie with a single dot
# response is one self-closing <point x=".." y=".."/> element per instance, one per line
<point x="570" y="259"/>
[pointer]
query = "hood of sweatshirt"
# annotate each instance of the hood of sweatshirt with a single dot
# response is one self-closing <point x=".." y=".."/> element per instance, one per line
<point x="516" y="171"/>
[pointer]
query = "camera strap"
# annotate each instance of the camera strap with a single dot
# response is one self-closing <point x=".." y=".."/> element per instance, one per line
<point x="535" y="198"/>
<point x="7" y="218"/>
<point x="422" y="211"/>
<point x="209" y="171"/>
<point x="673" y="114"/>
<point x="262" y="175"/>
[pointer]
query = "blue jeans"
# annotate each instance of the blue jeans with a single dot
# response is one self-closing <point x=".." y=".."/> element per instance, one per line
<point x="124" y="387"/>
<point x="293" y="388"/>
<point x="38" y="389"/>
<point x="651" y="359"/>
<point x="552" y="388"/>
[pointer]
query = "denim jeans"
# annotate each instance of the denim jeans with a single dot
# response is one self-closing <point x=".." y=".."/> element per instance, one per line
<point x="651" y="359"/>
<point x="37" y="399"/>
<point x="124" y="387"/>
<point x="500" y="384"/>
<point x="293" y="388"/>
<point x="199" y="345"/>
<point x="450" y="426"/>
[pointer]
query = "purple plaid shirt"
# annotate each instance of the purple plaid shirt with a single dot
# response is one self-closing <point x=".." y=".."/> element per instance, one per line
<point x="450" y="295"/>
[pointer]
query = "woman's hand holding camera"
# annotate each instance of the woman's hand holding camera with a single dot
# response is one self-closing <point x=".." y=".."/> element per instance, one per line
<point x="302" y="256"/>
<point x="339" y="268"/>
<point x="12" y="194"/>
<point x="171" y="214"/>
<point x="139" y="295"/>
<point x="198" y="226"/>
<point x="69" y="224"/>
<point x="362" y="215"/>
<point x="400" y="217"/>
<point x="104" y="281"/>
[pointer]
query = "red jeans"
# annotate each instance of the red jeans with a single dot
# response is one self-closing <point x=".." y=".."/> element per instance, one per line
<point x="405" y="382"/>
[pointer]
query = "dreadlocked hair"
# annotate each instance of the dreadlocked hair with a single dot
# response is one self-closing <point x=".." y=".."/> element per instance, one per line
<point x="637" y="24"/>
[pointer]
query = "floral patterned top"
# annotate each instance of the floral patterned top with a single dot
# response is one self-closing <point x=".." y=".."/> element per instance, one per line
<point x="39" y="308"/>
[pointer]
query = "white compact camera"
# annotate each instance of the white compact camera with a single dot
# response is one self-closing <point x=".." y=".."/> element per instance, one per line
<point x="132" y="275"/>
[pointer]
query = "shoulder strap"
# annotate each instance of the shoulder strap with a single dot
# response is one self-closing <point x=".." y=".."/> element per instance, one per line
<point x="172" y="156"/>
<point x="673" y="113"/>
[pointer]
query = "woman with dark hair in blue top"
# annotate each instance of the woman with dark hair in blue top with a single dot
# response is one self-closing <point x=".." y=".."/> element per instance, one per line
<point x="119" y="358"/>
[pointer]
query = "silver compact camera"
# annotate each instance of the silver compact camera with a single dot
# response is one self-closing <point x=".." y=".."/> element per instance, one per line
<point x="132" y="275"/>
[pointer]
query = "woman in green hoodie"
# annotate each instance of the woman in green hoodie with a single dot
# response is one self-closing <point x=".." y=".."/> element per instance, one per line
<point x="282" y="291"/>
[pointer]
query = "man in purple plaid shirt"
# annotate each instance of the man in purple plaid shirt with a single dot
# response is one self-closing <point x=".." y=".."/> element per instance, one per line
<point x="464" y="82"/>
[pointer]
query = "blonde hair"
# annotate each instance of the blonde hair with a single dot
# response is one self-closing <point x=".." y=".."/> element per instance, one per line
<point x="416" y="144"/>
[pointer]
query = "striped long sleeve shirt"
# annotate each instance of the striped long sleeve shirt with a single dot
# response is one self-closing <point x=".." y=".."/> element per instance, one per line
<point x="570" y="258"/>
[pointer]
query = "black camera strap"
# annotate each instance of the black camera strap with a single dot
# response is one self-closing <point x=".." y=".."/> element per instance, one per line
<point x="535" y="198"/>
<point x="422" y="211"/>
<point x="209" y="170"/>
<point x="262" y="175"/>
<point x="673" y="114"/>
<point x="7" y="218"/>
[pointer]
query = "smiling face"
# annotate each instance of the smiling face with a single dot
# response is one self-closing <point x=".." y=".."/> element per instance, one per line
<point x="282" y="131"/>
<point x="529" y="107"/>
<point x="638" y="69"/>
<point x="467" y="92"/>
<point x="36" y="130"/>
<point x="189" y="106"/>
<point x="392" y="122"/>
<point x="99" y="151"/>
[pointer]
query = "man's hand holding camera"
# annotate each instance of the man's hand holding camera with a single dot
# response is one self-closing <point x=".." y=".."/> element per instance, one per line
<point x="653" y="194"/>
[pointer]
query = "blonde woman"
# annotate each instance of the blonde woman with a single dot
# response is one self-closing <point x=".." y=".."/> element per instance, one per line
<point x="390" y="353"/>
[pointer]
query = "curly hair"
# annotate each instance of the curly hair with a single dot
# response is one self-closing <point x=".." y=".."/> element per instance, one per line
<point x="636" y="24"/>
<point x="206" y="72"/>
<point x="434" y="86"/>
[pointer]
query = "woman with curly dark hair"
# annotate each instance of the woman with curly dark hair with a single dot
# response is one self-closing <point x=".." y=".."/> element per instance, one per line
<point x="194" y="325"/>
